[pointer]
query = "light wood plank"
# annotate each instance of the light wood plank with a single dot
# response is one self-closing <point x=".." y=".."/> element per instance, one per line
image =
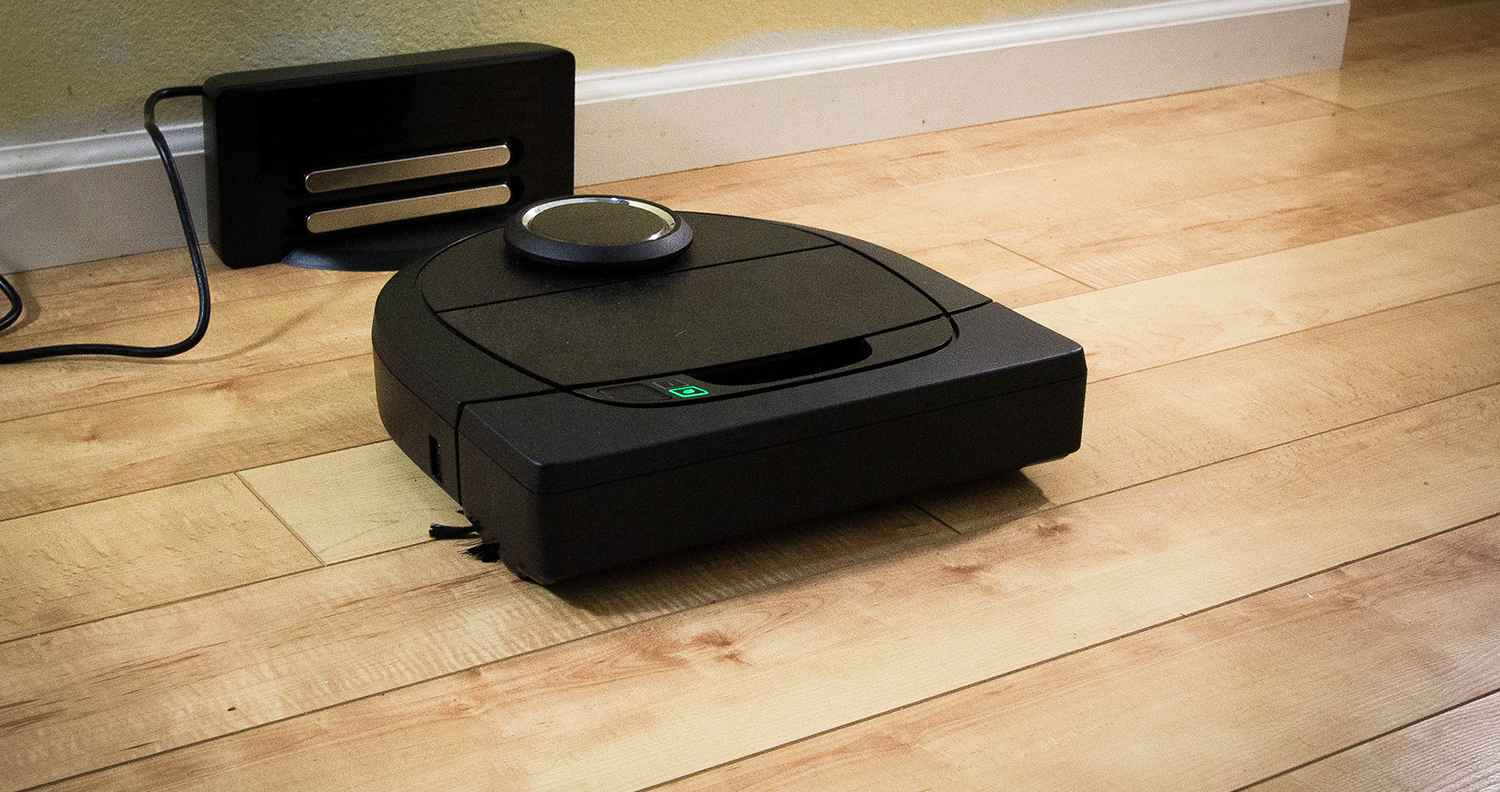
<point x="1434" y="123"/>
<point x="1145" y="324"/>
<point x="963" y="209"/>
<point x="1155" y="423"/>
<point x="647" y="704"/>
<point x="93" y="561"/>
<point x="1001" y="275"/>
<point x="130" y="287"/>
<point x="1422" y="32"/>
<point x="246" y="337"/>
<point x="1199" y="232"/>
<point x="147" y="442"/>
<point x="155" y="267"/>
<point x="1457" y="751"/>
<point x="758" y="187"/>
<point x="1380" y="81"/>
<point x="1205" y="703"/>
<point x="95" y="695"/>
<point x="355" y="502"/>
<point x="1370" y="9"/>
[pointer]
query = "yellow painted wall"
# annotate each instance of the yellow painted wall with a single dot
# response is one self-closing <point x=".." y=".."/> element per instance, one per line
<point x="70" y="68"/>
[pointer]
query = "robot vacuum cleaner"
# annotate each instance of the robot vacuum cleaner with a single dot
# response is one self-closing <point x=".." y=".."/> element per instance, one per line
<point x="603" y="379"/>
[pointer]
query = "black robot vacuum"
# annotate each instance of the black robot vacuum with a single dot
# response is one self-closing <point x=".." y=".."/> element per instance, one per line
<point x="603" y="379"/>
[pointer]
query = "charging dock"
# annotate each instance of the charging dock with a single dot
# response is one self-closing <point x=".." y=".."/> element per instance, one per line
<point x="368" y="164"/>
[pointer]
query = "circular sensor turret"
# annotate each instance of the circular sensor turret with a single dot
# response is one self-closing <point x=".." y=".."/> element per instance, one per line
<point x="606" y="232"/>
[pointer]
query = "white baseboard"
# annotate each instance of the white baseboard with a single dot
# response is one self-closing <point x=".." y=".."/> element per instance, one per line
<point x="697" y="115"/>
<point x="91" y="198"/>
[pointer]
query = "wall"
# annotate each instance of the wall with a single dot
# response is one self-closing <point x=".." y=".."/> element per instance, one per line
<point x="74" y="68"/>
<point x="664" y="85"/>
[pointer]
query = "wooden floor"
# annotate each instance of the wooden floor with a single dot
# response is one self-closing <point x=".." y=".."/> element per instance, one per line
<point x="1275" y="563"/>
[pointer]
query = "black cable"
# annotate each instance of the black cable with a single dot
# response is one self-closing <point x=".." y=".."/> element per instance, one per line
<point x="200" y="272"/>
<point x="14" y="313"/>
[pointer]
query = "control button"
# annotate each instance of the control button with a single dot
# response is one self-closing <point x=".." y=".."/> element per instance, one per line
<point x="688" y="392"/>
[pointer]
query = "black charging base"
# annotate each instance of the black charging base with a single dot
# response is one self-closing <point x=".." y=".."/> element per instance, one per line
<point x="301" y="162"/>
<point x="390" y="248"/>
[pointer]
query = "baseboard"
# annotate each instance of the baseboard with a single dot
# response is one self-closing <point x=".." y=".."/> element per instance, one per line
<point x="697" y="115"/>
<point x="91" y="198"/>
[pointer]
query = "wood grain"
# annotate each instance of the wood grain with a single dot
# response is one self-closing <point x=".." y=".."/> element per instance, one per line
<point x="1206" y="310"/>
<point x="1433" y="123"/>
<point x="1001" y="275"/>
<point x="1423" y="32"/>
<point x="153" y="268"/>
<point x="1445" y="160"/>
<point x="101" y="559"/>
<point x="130" y="287"/>
<point x="1181" y="235"/>
<point x="1457" y="751"/>
<point x="93" y="695"/>
<point x="1378" y="82"/>
<point x="1370" y="9"/>
<point x="246" y="337"/>
<point x="683" y="693"/>
<point x="755" y="188"/>
<point x="354" y="502"/>
<point x="152" y="441"/>
<point x="1157" y="422"/>
<point x="1118" y="180"/>
<point x="1207" y="702"/>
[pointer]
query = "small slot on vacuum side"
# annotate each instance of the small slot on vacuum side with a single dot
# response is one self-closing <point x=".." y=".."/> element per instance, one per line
<point x="435" y="459"/>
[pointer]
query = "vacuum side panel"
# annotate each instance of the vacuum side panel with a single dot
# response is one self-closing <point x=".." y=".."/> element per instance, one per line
<point x="506" y="513"/>
<point x="569" y="533"/>
<point x="419" y="431"/>
<point x="558" y="441"/>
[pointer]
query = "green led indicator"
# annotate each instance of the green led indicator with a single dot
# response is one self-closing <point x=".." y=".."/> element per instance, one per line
<point x="688" y="392"/>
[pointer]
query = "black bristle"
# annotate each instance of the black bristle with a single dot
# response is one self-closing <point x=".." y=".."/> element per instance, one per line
<point x="440" y="531"/>
<point x="488" y="552"/>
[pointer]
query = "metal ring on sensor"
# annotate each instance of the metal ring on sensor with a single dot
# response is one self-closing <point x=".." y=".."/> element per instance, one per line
<point x="597" y="232"/>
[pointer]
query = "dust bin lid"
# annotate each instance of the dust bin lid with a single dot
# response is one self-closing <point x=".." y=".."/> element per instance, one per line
<point x="681" y="320"/>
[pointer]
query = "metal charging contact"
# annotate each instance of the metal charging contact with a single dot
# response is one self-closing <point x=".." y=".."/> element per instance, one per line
<point x="406" y="169"/>
<point x="326" y="220"/>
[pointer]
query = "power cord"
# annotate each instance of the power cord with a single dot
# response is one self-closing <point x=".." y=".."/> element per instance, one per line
<point x="200" y="272"/>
